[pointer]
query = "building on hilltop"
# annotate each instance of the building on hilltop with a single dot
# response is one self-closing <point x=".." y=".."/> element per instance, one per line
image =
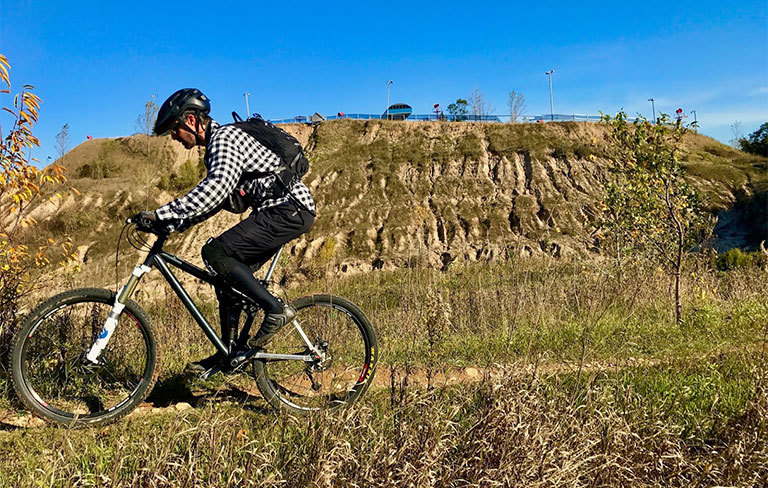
<point x="397" y="111"/>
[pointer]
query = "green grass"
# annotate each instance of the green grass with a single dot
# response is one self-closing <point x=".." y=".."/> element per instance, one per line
<point x="699" y="397"/>
<point x="540" y="141"/>
<point x="506" y="312"/>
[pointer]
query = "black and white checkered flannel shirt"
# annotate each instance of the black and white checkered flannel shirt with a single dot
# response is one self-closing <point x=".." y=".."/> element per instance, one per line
<point x="229" y="153"/>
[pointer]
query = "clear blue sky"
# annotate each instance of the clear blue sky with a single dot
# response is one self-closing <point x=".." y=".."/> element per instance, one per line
<point x="94" y="64"/>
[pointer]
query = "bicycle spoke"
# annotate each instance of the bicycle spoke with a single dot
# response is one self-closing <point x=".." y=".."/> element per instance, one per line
<point x="323" y="381"/>
<point x="60" y="378"/>
<point x="129" y="384"/>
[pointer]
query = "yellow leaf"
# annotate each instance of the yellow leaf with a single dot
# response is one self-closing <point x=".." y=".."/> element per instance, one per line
<point x="51" y="241"/>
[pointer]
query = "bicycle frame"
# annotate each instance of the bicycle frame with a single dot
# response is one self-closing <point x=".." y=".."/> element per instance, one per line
<point x="160" y="259"/>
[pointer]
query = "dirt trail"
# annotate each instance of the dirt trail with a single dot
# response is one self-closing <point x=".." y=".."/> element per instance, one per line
<point x="237" y="390"/>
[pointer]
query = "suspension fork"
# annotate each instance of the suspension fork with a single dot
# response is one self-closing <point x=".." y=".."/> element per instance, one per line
<point x="117" y="308"/>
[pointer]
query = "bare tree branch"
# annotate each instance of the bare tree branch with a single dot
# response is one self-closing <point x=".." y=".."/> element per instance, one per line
<point x="517" y="105"/>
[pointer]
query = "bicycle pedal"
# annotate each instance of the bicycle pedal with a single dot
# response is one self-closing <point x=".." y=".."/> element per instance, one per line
<point x="237" y="362"/>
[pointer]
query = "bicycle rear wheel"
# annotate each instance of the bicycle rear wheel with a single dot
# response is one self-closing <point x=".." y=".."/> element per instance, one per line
<point x="342" y="331"/>
<point x="51" y="376"/>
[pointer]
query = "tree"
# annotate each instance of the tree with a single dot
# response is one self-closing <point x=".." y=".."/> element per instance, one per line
<point x="736" y="133"/>
<point x="20" y="183"/>
<point x="62" y="141"/>
<point x="479" y="106"/>
<point x="146" y="121"/>
<point x="516" y="105"/>
<point x="756" y="142"/>
<point x="651" y="210"/>
<point x="458" y="110"/>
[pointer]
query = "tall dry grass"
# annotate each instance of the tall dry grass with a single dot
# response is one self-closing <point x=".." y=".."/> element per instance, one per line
<point x="508" y="430"/>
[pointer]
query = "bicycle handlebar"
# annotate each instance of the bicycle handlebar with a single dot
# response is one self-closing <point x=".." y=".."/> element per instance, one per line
<point x="145" y="225"/>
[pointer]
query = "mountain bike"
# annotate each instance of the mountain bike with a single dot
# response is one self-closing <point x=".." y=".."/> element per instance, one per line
<point x="89" y="356"/>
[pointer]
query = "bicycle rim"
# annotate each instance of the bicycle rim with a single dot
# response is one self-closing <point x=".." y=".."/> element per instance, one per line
<point x="60" y="383"/>
<point x="302" y="386"/>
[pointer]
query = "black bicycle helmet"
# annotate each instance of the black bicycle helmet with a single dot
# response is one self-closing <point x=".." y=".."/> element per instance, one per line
<point x="184" y="100"/>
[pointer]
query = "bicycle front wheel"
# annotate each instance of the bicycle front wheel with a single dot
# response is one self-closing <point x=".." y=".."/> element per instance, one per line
<point x="51" y="375"/>
<point x="342" y="332"/>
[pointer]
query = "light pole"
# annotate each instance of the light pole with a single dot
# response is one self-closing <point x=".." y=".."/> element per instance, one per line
<point x="551" y="105"/>
<point x="247" y="108"/>
<point x="653" y="107"/>
<point x="695" y="123"/>
<point x="388" y="83"/>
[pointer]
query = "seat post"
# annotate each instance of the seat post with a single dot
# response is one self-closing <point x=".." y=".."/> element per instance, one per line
<point x="274" y="263"/>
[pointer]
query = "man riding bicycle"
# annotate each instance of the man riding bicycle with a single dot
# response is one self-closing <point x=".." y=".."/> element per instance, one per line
<point x="237" y="165"/>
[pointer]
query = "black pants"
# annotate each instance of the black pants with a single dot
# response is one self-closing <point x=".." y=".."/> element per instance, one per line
<point x="240" y="251"/>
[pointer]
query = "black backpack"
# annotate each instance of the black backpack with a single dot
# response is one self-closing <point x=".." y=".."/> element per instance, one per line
<point x="285" y="146"/>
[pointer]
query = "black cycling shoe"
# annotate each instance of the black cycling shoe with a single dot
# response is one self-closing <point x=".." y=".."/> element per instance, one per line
<point x="273" y="322"/>
<point x="207" y="367"/>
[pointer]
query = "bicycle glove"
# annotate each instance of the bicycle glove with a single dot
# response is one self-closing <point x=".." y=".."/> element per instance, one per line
<point x="148" y="222"/>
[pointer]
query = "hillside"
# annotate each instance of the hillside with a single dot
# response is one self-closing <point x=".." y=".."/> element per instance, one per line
<point x="391" y="194"/>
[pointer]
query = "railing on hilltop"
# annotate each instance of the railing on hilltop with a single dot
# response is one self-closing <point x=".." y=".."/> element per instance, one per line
<point x="561" y="118"/>
<point x="301" y="119"/>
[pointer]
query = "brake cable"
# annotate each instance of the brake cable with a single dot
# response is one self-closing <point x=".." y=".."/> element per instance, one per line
<point x="117" y="256"/>
<point x="135" y="240"/>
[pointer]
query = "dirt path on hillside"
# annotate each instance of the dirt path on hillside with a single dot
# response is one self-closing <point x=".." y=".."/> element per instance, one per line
<point x="241" y="389"/>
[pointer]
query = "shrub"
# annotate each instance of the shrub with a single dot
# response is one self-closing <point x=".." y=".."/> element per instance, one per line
<point x="583" y="151"/>
<point x="189" y="174"/>
<point x="560" y="151"/>
<point x="99" y="169"/>
<point x="470" y="147"/>
<point x="757" y="142"/>
<point x="736" y="258"/>
<point x="20" y="182"/>
<point x="64" y="223"/>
